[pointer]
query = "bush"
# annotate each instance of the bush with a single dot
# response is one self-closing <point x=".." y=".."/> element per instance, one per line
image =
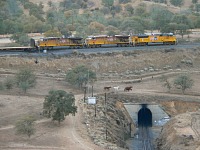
<point x="1" y="86"/>
<point x="9" y="83"/>
<point x="25" y="126"/>
<point x="183" y="82"/>
<point x="25" y="79"/>
<point x="80" y="76"/>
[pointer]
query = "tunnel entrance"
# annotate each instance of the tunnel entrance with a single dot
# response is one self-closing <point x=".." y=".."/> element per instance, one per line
<point x="144" y="117"/>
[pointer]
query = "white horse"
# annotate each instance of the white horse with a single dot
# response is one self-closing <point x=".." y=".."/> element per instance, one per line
<point x="116" y="88"/>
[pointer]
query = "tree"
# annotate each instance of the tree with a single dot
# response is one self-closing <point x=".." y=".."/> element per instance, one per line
<point x="183" y="29"/>
<point x="59" y="104"/>
<point x="25" y="79"/>
<point x="124" y="1"/>
<point x="183" y="24"/>
<point x="21" y="38"/>
<point x="80" y="76"/>
<point x="52" y="33"/>
<point x="108" y="3"/>
<point x="2" y="2"/>
<point x="25" y="126"/>
<point x="115" y="9"/>
<point x="141" y="10"/>
<point x="197" y="7"/>
<point x="194" y="1"/>
<point x="96" y="27"/>
<point x="183" y="82"/>
<point x="161" y="17"/>
<point x="129" y="9"/>
<point x="178" y="3"/>
<point x="49" y="3"/>
<point x="197" y="22"/>
<point x="135" y="24"/>
<point x="169" y="28"/>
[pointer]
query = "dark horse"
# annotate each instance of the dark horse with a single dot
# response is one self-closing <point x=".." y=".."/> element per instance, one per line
<point x="107" y="88"/>
<point x="128" y="88"/>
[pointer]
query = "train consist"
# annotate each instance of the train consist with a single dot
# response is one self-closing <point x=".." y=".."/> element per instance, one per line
<point x="102" y="40"/>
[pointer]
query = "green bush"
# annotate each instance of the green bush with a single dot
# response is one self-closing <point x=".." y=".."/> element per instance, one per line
<point x="9" y="83"/>
<point x="25" y="79"/>
<point x="1" y="86"/>
<point x="25" y="126"/>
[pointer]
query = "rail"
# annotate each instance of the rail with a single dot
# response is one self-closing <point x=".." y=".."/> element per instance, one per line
<point x="145" y="136"/>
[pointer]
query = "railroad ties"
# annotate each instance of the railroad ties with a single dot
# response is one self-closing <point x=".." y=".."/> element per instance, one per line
<point x="145" y="136"/>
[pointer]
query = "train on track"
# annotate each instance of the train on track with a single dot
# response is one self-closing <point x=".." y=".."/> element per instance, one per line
<point x="97" y="41"/>
<point x="102" y="40"/>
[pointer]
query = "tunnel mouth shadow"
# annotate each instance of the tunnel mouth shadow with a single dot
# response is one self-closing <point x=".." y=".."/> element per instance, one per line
<point x="144" y="116"/>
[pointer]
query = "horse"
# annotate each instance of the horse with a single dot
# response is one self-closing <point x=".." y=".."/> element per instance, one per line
<point x="128" y="88"/>
<point x="107" y="88"/>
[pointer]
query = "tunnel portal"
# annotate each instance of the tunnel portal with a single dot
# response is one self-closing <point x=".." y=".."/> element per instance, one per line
<point x="144" y="117"/>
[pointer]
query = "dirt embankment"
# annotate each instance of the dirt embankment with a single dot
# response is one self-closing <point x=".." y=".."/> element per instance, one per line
<point x="182" y="132"/>
<point x="133" y="62"/>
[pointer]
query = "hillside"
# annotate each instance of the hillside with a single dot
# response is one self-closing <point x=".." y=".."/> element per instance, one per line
<point x="98" y="4"/>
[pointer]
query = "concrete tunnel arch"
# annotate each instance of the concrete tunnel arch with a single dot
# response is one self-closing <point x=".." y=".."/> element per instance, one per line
<point x="144" y="117"/>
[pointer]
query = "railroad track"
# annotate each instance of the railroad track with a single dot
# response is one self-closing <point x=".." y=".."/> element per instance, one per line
<point x="104" y="49"/>
<point x="145" y="138"/>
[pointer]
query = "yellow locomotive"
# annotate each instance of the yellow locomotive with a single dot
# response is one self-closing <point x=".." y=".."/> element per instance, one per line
<point x="50" y="42"/>
<point x="100" y="40"/>
<point x="161" y="39"/>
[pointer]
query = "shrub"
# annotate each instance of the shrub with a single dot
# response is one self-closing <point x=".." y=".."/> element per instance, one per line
<point x="25" y="126"/>
<point x="9" y="83"/>
<point x="25" y="79"/>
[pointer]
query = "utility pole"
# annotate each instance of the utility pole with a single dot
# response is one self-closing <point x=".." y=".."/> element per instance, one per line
<point x="106" y="117"/>
<point x="92" y="90"/>
<point x="88" y="82"/>
<point x="95" y="110"/>
<point x="85" y="93"/>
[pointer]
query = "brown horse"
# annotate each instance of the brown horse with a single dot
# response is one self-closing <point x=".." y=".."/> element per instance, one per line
<point x="128" y="88"/>
<point x="107" y="88"/>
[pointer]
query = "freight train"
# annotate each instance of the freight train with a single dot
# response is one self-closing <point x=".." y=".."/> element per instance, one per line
<point x="102" y="40"/>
